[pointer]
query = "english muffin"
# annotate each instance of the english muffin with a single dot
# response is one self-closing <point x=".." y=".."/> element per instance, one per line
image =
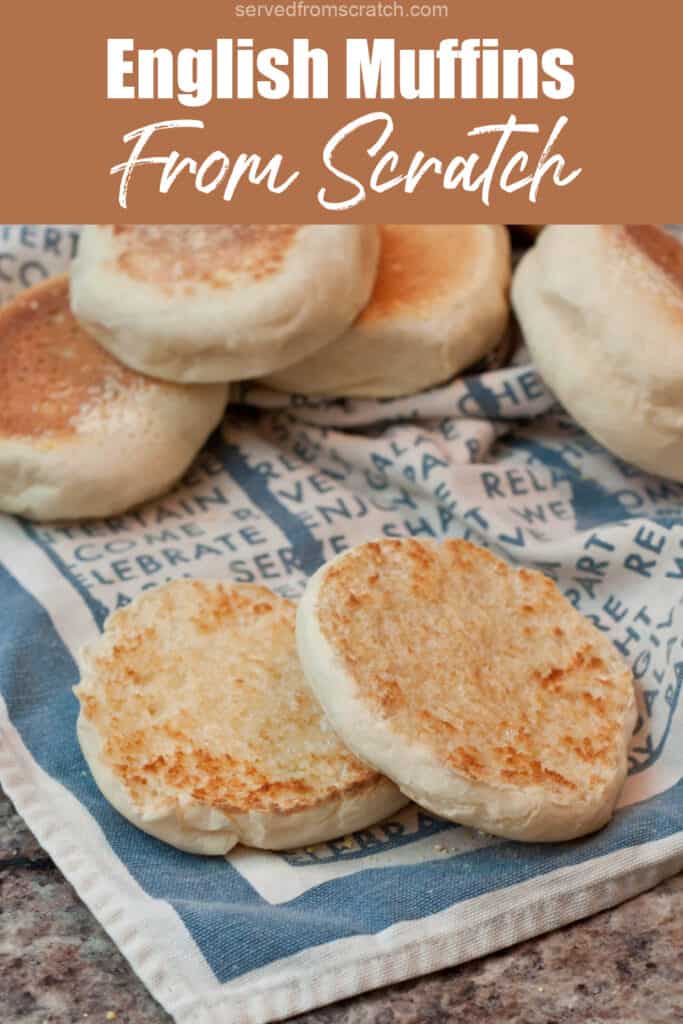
<point x="601" y="309"/>
<point x="477" y="688"/>
<point x="81" y="435"/>
<point x="439" y="304"/>
<point x="199" y="727"/>
<point x="220" y="302"/>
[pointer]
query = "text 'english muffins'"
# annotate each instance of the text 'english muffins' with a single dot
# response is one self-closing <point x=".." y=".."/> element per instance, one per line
<point x="199" y="727"/>
<point x="221" y="302"/>
<point x="477" y="688"/>
<point x="80" y="434"/>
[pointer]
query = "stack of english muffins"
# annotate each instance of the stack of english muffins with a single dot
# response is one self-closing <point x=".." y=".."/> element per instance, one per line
<point x="115" y="377"/>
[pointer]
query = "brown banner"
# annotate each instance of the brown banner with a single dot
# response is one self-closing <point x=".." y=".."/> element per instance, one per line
<point x="617" y="128"/>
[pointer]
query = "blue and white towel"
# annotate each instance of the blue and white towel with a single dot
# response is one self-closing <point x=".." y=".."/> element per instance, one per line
<point x="256" y="937"/>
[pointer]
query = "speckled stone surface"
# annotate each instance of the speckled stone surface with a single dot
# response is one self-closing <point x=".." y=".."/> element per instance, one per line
<point x="625" y="965"/>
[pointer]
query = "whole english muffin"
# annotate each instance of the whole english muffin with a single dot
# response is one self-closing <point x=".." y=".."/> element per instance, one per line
<point x="440" y="302"/>
<point x="477" y="688"/>
<point x="81" y="435"/>
<point x="220" y="302"/>
<point x="199" y="727"/>
<point x="601" y="309"/>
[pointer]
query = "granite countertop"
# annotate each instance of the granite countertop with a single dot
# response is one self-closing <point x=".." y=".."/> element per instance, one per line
<point x="57" y="966"/>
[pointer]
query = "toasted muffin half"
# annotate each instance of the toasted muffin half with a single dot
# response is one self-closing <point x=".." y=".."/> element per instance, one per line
<point x="199" y="727"/>
<point x="476" y="687"/>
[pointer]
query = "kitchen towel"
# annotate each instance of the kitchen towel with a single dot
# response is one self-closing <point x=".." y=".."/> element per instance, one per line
<point x="287" y="483"/>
